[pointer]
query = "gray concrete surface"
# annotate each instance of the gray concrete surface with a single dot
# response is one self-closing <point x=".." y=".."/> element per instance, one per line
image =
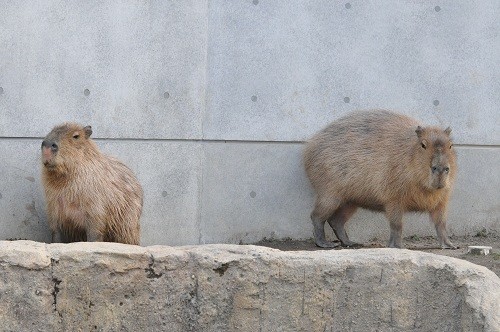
<point x="138" y="67"/>
<point x="115" y="287"/>
<point x="209" y="101"/>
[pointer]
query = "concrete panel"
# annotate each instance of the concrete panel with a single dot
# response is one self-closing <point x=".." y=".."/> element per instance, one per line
<point x="168" y="171"/>
<point x="253" y="191"/>
<point x="22" y="206"/>
<point x="136" y="69"/>
<point x="281" y="72"/>
<point x="476" y="201"/>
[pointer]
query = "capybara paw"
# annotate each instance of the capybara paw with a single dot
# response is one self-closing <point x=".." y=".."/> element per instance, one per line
<point x="327" y="244"/>
<point x="449" y="246"/>
<point x="351" y="244"/>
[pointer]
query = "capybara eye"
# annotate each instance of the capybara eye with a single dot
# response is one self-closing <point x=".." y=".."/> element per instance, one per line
<point x="423" y="145"/>
<point x="434" y="169"/>
<point x="76" y="136"/>
<point x="446" y="169"/>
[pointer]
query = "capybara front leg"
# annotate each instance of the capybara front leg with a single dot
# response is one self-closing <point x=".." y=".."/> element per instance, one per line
<point x="395" y="217"/>
<point x="337" y="222"/>
<point x="438" y="217"/>
<point x="56" y="236"/>
<point x="93" y="235"/>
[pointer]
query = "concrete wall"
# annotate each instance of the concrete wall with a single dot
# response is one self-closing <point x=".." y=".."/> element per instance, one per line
<point x="209" y="103"/>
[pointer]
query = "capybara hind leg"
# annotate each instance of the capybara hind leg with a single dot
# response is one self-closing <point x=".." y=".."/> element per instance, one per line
<point x="319" y="216"/>
<point x="319" y="234"/>
<point x="439" y="220"/>
<point x="395" y="217"/>
<point x="337" y="222"/>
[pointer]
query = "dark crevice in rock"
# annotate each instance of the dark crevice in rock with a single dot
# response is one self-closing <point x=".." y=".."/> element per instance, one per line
<point x="150" y="272"/>
<point x="56" y="282"/>
<point x="222" y="269"/>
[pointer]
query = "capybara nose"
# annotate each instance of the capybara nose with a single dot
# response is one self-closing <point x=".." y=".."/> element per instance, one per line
<point x="50" y="145"/>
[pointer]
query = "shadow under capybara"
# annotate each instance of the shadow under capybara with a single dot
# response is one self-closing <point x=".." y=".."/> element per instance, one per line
<point x="381" y="161"/>
<point x="90" y="196"/>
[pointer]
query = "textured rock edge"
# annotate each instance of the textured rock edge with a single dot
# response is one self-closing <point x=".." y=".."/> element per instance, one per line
<point x="60" y="276"/>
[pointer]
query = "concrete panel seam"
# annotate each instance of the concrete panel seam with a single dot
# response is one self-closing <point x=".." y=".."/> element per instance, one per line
<point x="222" y="141"/>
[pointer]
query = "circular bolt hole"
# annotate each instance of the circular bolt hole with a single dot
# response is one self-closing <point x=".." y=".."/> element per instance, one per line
<point x="347" y="100"/>
<point x="164" y="193"/>
<point x="436" y="102"/>
<point x="348" y="5"/>
<point x="254" y="98"/>
<point x="255" y="2"/>
<point x="86" y="92"/>
<point x="1" y="90"/>
<point x="166" y="95"/>
<point x="437" y="8"/>
<point x="253" y="194"/>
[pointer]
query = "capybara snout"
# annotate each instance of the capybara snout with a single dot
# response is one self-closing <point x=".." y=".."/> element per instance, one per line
<point x="382" y="161"/>
<point x="89" y="195"/>
<point x="52" y="146"/>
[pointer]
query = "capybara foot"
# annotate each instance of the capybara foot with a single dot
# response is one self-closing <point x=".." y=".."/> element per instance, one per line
<point x="327" y="244"/>
<point x="351" y="244"/>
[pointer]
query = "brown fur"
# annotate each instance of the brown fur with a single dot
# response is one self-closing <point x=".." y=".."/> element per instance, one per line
<point x="90" y="196"/>
<point x="380" y="161"/>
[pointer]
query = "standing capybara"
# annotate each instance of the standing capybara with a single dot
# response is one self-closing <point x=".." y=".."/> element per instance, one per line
<point x="381" y="161"/>
<point x="90" y="196"/>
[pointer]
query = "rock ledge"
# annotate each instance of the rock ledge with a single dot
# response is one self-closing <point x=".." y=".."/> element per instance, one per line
<point x="115" y="287"/>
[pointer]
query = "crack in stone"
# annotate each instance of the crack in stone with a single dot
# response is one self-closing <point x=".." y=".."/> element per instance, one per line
<point x="150" y="272"/>
<point x="222" y="269"/>
<point x="56" y="282"/>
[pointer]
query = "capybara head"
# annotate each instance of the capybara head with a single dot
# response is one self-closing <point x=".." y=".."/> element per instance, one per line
<point x="65" y="145"/>
<point x="436" y="151"/>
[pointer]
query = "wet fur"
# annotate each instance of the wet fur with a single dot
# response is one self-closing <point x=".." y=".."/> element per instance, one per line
<point x="377" y="160"/>
<point x="90" y="196"/>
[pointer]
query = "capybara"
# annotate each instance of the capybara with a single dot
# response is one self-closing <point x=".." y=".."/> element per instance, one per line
<point x="381" y="161"/>
<point x="90" y="196"/>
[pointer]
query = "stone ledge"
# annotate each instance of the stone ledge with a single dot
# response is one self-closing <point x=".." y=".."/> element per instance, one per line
<point x="116" y="287"/>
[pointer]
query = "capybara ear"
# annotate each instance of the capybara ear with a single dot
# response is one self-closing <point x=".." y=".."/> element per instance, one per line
<point x="419" y="131"/>
<point x="88" y="131"/>
<point x="447" y="131"/>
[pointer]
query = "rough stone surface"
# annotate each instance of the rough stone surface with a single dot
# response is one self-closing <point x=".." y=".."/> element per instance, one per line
<point x="115" y="287"/>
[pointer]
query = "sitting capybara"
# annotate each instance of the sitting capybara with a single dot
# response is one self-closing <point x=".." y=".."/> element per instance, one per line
<point x="381" y="161"/>
<point x="90" y="196"/>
